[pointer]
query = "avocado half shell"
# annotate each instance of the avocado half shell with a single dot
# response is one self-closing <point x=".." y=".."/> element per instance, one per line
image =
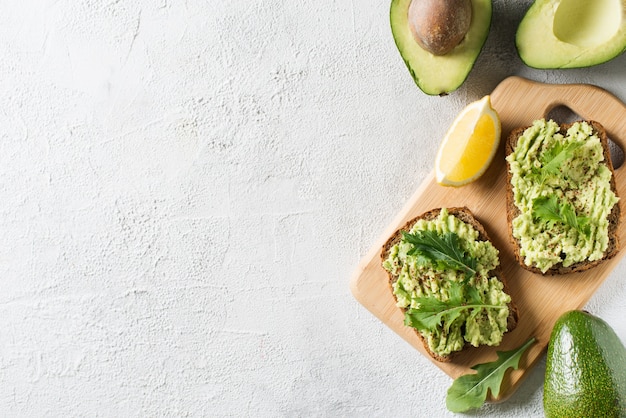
<point x="440" y="74"/>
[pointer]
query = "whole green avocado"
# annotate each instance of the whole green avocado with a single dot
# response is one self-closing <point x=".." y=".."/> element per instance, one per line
<point x="585" y="369"/>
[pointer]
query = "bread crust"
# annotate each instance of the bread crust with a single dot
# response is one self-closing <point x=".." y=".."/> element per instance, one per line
<point x="465" y="215"/>
<point x="513" y="211"/>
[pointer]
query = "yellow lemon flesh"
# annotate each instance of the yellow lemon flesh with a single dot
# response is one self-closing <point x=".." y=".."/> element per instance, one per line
<point x="469" y="145"/>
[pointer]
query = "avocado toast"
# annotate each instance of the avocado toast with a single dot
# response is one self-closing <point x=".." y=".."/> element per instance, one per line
<point x="445" y="276"/>
<point x="562" y="204"/>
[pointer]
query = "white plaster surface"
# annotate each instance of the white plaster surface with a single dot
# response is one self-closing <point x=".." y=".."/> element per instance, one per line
<point x="187" y="187"/>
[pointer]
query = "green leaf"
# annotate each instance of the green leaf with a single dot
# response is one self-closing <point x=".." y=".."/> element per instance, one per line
<point x="470" y="391"/>
<point x="569" y="216"/>
<point x="550" y="210"/>
<point x="547" y="209"/>
<point x="430" y="314"/>
<point x="553" y="158"/>
<point x="443" y="250"/>
<point x="433" y="313"/>
<point x="473" y="295"/>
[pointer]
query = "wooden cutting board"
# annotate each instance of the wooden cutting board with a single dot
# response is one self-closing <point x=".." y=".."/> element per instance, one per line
<point x="540" y="299"/>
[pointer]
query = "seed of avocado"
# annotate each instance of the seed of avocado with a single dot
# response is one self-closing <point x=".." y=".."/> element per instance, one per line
<point x="585" y="369"/>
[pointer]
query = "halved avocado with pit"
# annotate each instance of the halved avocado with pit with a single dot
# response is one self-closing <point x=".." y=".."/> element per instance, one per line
<point x="572" y="33"/>
<point x="440" y="74"/>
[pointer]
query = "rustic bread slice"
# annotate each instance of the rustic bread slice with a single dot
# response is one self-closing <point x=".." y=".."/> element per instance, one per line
<point x="464" y="214"/>
<point x="513" y="211"/>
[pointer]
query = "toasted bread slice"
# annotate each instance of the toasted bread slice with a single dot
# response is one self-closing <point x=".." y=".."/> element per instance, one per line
<point x="513" y="211"/>
<point x="464" y="215"/>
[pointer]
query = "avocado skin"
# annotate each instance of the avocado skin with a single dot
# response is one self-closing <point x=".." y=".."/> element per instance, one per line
<point x="539" y="48"/>
<point x="440" y="75"/>
<point x="585" y="369"/>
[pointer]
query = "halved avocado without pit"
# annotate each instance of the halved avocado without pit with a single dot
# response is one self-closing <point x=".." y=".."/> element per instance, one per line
<point x="440" y="74"/>
<point x="572" y="33"/>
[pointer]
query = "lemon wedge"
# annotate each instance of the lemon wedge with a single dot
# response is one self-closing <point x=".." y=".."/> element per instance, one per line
<point x="469" y="145"/>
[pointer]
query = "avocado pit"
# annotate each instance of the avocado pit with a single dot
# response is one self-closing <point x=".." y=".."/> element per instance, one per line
<point x="438" y="26"/>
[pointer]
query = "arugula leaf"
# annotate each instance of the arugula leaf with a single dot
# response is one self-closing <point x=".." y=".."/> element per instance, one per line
<point x="569" y="215"/>
<point x="470" y="391"/>
<point x="550" y="210"/>
<point x="553" y="158"/>
<point x="547" y="209"/>
<point x="443" y="250"/>
<point x="431" y="312"/>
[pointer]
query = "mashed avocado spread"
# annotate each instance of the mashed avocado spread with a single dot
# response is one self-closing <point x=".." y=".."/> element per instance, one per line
<point x="562" y="190"/>
<point x="481" y="312"/>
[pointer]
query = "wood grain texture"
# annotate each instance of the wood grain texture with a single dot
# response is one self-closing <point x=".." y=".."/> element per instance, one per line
<point x="540" y="299"/>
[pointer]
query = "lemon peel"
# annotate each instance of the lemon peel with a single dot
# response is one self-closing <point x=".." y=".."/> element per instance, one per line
<point x="469" y="145"/>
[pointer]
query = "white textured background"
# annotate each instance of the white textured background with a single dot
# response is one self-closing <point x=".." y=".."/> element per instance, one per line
<point x="186" y="188"/>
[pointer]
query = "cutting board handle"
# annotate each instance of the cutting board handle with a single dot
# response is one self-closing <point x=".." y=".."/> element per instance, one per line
<point x="588" y="101"/>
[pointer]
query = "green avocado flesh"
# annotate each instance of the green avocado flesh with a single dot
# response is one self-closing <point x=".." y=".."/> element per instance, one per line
<point x="418" y="278"/>
<point x="572" y="33"/>
<point x="585" y="369"/>
<point x="562" y="189"/>
<point x="439" y="75"/>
